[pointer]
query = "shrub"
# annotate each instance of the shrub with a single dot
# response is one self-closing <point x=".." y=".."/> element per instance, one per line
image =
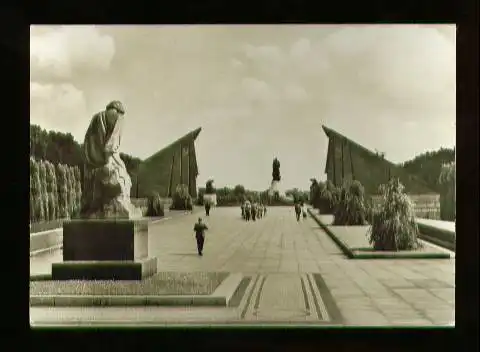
<point x="43" y="186"/>
<point x="329" y="196"/>
<point x="62" y="191"/>
<point x="350" y="209"/>
<point x="393" y="225"/>
<point x="154" y="205"/>
<point x="181" y="199"/>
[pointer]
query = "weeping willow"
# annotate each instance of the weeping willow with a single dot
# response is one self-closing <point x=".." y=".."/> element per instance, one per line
<point x="393" y="224"/>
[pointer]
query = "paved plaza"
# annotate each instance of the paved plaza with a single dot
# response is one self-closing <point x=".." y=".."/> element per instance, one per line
<point x="297" y="273"/>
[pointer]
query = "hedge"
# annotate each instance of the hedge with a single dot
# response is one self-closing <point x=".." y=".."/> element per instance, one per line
<point x="55" y="191"/>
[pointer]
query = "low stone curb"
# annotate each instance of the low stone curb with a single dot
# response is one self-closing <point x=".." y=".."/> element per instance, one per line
<point x="352" y="254"/>
<point x="220" y="297"/>
<point x="440" y="237"/>
<point x="347" y="251"/>
<point x="444" y="244"/>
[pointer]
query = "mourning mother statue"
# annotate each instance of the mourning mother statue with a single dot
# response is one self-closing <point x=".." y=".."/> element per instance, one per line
<point x="106" y="191"/>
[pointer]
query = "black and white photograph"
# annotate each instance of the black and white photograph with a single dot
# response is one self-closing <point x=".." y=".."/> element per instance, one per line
<point x="242" y="175"/>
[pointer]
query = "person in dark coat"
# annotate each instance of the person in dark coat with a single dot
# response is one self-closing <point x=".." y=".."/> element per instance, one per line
<point x="254" y="211"/>
<point x="207" y="208"/>
<point x="199" y="229"/>
<point x="298" y="211"/>
<point x="248" y="210"/>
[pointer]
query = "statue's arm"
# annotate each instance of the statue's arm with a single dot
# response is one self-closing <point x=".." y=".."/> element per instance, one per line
<point x="93" y="142"/>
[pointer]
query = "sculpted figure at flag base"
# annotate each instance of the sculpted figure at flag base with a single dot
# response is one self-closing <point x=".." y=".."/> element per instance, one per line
<point x="107" y="185"/>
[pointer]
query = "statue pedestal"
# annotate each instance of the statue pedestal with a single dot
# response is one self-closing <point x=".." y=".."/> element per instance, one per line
<point x="105" y="249"/>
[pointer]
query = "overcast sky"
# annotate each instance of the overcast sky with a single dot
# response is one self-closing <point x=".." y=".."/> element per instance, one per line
<point x="256" y="91"/>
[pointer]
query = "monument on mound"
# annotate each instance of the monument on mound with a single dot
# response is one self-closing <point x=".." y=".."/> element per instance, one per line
<point x="110" y="239"/>
<point x="273" y="191"/>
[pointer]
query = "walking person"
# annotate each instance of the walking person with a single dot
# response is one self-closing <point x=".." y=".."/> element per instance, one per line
<point x="207" y="208"/>
<point x="254" y="211"/>
<point x="304" y="210"/>
<point x="199" y="229"/>
<point x="248" y="208"/>
<point x="298" y="211"/>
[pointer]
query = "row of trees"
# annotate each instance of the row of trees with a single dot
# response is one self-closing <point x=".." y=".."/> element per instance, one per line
<point x="61" y="148"/>
<point x="227" y="196"/>
<point x="55" y="191"/>
<point x="393" y="225"/>
<point x="298" y="195"/>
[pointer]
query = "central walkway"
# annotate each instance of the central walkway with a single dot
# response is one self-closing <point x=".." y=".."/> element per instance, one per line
<point x="282" y="256"/>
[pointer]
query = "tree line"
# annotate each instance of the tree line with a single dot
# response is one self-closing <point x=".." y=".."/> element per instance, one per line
<point x="61" y="148"/>
<point x="55" y="191"/>
<point x="428" y="166"/>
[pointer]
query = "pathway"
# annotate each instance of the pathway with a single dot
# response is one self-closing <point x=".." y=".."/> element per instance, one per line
<point x="283" y="256"/>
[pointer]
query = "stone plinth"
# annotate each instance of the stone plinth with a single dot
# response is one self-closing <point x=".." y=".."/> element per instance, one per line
<point x="105" y="270"/>
<point x="103" y="249"/>
<point x="114" y="239"/>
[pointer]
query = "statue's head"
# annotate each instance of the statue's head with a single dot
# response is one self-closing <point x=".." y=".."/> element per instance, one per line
<point x="115" y="107"/>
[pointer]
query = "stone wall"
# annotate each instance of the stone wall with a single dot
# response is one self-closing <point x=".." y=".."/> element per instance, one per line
<point x="426" y="206"/>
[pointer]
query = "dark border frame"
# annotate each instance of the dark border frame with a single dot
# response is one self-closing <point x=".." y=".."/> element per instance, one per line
<point x="15" y="44"/>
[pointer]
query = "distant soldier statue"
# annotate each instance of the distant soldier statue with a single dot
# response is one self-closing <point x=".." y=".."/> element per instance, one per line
<point x="275" y="178"/>
<point x="106" y="192"/>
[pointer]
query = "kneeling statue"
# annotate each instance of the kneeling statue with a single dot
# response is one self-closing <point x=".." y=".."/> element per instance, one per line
<point x="106" y="191"/>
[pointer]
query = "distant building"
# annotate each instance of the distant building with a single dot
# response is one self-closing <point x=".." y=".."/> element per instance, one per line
<point x="347" y="159"/>
<point x="173" y="165"/>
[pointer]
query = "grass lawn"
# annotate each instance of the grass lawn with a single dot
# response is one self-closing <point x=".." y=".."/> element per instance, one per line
<point x="164" y="283"/>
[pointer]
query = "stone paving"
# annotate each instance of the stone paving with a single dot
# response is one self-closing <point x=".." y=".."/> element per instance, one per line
<point x="281" y="254"/>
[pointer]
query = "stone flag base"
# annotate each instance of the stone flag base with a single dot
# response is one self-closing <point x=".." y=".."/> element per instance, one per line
<point x="105" y="270"/>
<point x="105" y="249"/>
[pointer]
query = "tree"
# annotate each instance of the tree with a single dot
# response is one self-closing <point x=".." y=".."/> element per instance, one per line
<point x="62" y="191"/>
<point x="51" y="188"/>
<point x="36" y="192"/>
<point x="351" y="209"/>
<point x="239" y="191"/>
<point x="78" y="187"/>
<point x="428" y="166"/>
<point x="447" y="192"/>
<point x="393" y="226"/>
<point x="43" y="186"/>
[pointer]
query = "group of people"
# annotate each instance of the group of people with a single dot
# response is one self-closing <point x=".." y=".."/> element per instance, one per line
<point x="300" y="209"/>
<point x="253" y="210"/>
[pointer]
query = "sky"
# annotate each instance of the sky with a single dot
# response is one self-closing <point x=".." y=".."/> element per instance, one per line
<point x="257" y="91"/>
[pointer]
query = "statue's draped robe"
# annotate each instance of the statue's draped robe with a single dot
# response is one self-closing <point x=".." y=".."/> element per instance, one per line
<point x="101" y="148"/>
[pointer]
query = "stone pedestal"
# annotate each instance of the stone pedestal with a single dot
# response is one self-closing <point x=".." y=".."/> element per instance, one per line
<point x="105" y="249"/>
